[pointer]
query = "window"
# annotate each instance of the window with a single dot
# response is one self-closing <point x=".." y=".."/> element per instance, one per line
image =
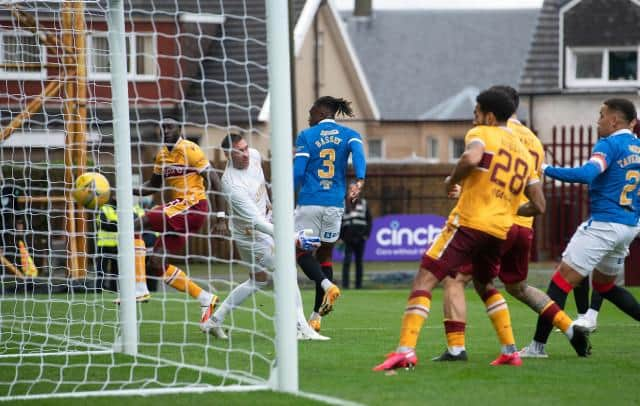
<point x="21" y="56"/>
<point x="589" y="65"/>
<point x="141" y="56"/>
<point x="145" y="55"/>
<point x="100" y="55"/>
<point x="595" y="67"/>
<point x="375" y="149"/>
<point x="623" y="65"/>
<point x="456" y="148"/>
<point x="433" y="149"/>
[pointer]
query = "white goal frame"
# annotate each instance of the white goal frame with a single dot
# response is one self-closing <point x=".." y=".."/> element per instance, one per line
<point x="283" y="377"/>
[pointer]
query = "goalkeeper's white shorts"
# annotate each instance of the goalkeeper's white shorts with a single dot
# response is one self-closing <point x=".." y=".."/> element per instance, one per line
<point x="257" y="253"/>
<point x="325" y="221"/>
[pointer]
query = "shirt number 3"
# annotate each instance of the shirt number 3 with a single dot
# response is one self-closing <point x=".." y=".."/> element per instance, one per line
<point x="327" y="170"/>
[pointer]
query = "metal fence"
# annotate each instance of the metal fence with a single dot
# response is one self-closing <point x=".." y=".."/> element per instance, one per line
<point x="567" y="203"/>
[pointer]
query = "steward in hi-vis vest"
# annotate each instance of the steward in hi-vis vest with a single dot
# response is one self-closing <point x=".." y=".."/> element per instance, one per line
<point x="107" y="245"/>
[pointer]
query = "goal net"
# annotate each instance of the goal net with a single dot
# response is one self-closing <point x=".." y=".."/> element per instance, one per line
<point x="202" y="63"/>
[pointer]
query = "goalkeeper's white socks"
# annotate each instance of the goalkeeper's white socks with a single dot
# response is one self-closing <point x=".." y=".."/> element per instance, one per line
<point x="236" y="297"/>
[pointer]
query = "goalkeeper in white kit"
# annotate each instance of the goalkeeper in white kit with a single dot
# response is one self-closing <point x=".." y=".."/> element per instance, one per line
<point x="245" y="188"/>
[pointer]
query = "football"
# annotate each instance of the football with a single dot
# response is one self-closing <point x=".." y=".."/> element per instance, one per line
<point x="91" y="190"/>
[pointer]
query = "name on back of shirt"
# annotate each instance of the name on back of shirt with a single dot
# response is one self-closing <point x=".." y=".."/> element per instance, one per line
<point x="630" y="159"/>
<point x="328" y="137"/>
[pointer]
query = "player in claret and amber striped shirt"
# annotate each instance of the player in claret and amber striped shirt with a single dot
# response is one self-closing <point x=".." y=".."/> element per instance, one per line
<point x="513" y="268"/>
<point x="180" y="172"/>
<point x="493" y="171"/>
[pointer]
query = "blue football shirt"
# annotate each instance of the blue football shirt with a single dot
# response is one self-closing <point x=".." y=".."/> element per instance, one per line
<point x="614" y="193"/>
<point x="321" y="163"/>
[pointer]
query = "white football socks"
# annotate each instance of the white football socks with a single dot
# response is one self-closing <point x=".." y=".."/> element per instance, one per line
<point x="592" y="315"/>
<point x="326" y="284"/>
<point x="236" y="297"/>
<point x="456" y="349"/>
<point x="205" y="298"/>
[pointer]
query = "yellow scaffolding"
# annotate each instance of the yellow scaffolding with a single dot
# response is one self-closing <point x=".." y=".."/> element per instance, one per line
<point x="73" y="75"/>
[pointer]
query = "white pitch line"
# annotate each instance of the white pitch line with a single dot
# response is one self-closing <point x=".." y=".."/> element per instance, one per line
<point x="330" y="400"/>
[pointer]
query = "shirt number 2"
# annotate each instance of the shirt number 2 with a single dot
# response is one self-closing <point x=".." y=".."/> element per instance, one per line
<point x="634" y="178"/>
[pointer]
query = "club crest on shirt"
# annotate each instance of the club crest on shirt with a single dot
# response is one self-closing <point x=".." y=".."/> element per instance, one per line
<point x="634" y="148"/>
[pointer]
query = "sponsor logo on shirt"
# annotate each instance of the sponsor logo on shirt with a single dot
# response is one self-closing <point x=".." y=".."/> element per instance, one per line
<point x="171" y="171"/>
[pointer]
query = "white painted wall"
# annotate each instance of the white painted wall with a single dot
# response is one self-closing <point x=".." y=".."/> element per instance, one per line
<point x="576" y="110"/>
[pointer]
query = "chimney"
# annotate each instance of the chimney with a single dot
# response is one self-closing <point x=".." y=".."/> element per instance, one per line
<point x="362" y="8"/>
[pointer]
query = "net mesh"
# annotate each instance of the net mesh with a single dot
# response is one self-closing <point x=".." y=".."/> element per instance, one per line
<point x="201" y="62"/>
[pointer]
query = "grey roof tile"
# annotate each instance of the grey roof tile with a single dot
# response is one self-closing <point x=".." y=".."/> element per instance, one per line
<point x="235" y="71"/>
<point x="540" y="74"/>
<point x="423" y="64"/>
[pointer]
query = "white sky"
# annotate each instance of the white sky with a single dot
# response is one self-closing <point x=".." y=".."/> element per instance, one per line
<point x="443" y="4"/>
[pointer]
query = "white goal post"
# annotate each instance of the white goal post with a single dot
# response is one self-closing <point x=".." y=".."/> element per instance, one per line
<point x="85" y="86"/>
<point x="124" y="185"/>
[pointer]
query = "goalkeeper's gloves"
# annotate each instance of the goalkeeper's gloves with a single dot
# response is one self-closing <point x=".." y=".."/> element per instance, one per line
<point x="306" y="241"/>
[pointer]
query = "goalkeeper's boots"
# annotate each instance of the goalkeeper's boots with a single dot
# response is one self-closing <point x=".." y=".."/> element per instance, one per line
<point x="580" y="341"/>
<point x="315" y="324"/>
<point x="328" y="301"/>
<point x="447" y="356"/>
<point x="214" y="328"/>
<point x="397" y="360"/>
<point x="207" y="311"/>
<point x="512" y="359"/>
<point x="307" y="333"/>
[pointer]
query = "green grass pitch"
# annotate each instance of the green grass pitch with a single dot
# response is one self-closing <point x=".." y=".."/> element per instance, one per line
<point x="364" y="327"/>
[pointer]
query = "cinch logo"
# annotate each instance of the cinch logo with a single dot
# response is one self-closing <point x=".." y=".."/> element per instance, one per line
<point x="394" y="235"/>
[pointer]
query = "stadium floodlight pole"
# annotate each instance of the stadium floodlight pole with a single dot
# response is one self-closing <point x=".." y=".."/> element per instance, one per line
<point x="124" y="186"/>
<point x="282" y="184"/>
